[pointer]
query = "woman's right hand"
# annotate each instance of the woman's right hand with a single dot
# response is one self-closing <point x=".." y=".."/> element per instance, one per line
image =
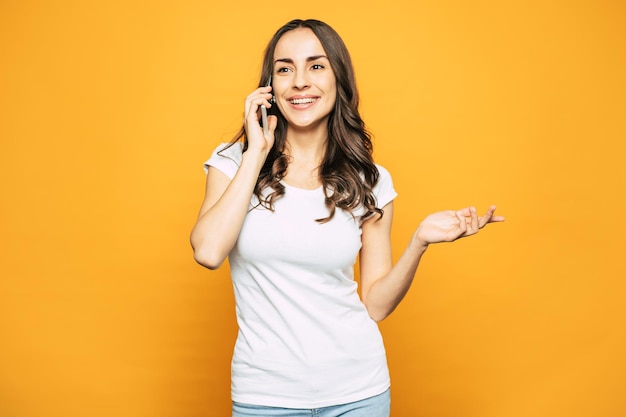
<point x="257" y="140"/>
<point x="227" y="200"/>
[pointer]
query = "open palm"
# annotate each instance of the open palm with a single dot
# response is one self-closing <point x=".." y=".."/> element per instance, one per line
<point x="449" y="225"/>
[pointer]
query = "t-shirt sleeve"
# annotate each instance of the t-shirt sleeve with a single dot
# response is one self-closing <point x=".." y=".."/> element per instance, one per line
<point x="225" y="160"/>
<point x="383" y="190"/>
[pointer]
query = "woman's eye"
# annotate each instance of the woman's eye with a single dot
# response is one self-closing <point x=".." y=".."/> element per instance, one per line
<point x="283" y="69"/>
<point x="317" y="66"/>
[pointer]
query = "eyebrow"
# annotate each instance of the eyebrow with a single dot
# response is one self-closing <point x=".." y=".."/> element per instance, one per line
<point x="309" y="59"/>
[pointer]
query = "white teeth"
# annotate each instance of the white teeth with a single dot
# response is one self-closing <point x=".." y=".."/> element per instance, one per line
<point x="302" y="100"/>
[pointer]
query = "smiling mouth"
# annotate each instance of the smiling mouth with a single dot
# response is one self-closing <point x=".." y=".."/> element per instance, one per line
<point x="307" y="100"/>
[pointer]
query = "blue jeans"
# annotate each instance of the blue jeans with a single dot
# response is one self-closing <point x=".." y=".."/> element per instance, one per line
<point x="376" y="406"/>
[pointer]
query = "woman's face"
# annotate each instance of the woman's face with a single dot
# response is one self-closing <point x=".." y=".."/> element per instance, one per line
<point x="303" y="81"/>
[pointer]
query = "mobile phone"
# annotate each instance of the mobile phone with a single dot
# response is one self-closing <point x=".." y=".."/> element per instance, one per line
<point x="266" y="131"/>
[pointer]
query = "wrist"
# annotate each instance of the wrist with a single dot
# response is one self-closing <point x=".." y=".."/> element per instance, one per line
<point x="255" y="156"/>
<point x="417" y="243"/>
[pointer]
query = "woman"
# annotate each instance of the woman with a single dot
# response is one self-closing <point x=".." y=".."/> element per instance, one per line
<point x="292" y="208"/>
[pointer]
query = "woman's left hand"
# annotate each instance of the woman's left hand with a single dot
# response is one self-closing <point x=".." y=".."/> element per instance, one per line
<point x="450" y="225"/>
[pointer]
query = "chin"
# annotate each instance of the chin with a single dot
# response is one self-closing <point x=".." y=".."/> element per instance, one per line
<point x="302" y="123"/>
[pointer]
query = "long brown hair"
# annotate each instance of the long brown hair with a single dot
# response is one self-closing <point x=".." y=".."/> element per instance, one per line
<point x="348" y="173"/>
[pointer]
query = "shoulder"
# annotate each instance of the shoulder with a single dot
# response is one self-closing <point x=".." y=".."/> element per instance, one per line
<point x="384" y="190"/>
<point x="233" y="152"/>
<point x="226" y="158"/>
<point x="383" y="172"/>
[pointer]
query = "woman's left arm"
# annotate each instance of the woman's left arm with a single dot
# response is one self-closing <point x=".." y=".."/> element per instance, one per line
<point x="384" y="285"/>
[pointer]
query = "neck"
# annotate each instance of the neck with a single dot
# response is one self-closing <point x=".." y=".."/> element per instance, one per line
<point x="307" y="147"/>
<point x="306" y="151"/>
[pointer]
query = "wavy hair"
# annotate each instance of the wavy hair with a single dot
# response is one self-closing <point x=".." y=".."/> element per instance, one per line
<point x="347" y="172"/>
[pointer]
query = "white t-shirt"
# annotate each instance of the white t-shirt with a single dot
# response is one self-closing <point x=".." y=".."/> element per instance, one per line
<point x="305" y="338"/>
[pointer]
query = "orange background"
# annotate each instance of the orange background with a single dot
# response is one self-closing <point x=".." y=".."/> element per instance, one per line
<point x="108" y="109"/>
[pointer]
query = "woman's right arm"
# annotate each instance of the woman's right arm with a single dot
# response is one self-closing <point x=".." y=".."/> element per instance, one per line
<point x="226" y="201"/>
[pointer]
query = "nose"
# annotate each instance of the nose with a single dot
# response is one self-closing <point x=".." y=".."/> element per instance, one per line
<point x="300" y="80"/>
